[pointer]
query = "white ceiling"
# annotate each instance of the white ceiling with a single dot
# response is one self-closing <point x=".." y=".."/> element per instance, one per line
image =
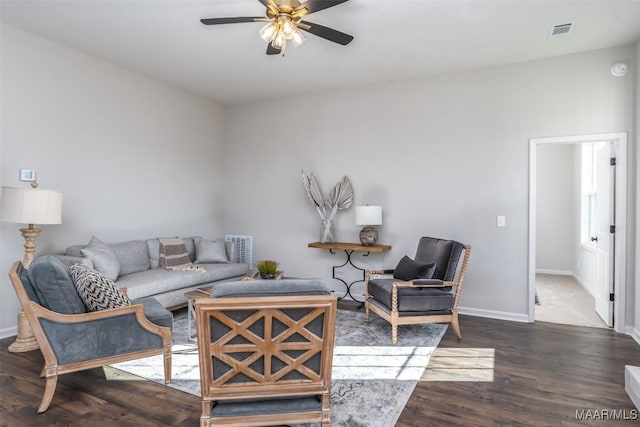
<point x="394" y="39"/>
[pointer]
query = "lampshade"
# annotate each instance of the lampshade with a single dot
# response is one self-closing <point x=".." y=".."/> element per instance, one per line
<point x="368" y="215"/>
<point x="31" y="206"/>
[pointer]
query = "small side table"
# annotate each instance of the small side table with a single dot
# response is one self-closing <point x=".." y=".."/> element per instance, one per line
<point x="192" y="296"/>
<point x="350" y="248"/>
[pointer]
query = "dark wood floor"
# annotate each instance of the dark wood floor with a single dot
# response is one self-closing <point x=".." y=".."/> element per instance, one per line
<point x="542" y="374"/>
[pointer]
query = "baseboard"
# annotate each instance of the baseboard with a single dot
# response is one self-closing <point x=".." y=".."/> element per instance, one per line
<point x="581" y="283"/>
<point x="557" y="272"/>
<point x="632" y="383"/>
<point x="8" y="332"/>
<point x="493" y="314"/>
<point x="633" y="333"/>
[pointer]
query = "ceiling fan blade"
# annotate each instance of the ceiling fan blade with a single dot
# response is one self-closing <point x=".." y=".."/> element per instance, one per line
<point x="316" y="5"/>
<point x="272" y="50"/>
<point x="271" y="6"/>
<point x="326" y="33"/>
<point x="217" y="21"/>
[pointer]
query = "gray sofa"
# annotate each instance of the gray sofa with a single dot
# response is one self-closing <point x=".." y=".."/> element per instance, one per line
<point x="141" y="274"/>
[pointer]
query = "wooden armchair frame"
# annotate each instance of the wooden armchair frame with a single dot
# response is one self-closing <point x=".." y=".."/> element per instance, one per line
<point x="393" y="316"/>
<point x="35" y="313"/>
<point x="271" y="346"/>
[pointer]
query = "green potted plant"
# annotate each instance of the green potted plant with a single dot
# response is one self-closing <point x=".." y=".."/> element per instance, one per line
<point x="267" y="268"/>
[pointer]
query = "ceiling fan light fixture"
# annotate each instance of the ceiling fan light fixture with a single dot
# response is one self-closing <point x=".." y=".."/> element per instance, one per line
<point x="283" y="23"/>
<point x="268" y="31"/>
<point x="281" y="29"/>
<point x="279" y="41"/>
<point x="287" y="25"/>
<point x="298" y="38"/>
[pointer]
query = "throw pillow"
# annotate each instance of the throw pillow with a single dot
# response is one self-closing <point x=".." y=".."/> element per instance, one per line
<point x="210" y="250"/>
<point x="174" y="256"/>
<point x="408" y="269"/>
<point x="104" y="259"/>
<point x="97" y="291"/>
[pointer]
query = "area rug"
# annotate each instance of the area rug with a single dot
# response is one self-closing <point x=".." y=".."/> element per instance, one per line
<point x="371" y="379"/>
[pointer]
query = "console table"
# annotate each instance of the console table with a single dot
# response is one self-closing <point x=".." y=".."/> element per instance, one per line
<point x="350" y="248"/>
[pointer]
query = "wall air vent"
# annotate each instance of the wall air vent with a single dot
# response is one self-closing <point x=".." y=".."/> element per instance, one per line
<point x="560" y="30"/>
<point x="243" y="251"/>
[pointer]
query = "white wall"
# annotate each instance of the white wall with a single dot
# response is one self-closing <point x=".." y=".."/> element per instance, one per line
<point x="555" y="214"/>
<point x="442" y="155"/>
<point x="135" y="158"/>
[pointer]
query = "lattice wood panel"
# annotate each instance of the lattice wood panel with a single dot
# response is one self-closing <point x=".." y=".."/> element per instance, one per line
<point x="265" y="346"/>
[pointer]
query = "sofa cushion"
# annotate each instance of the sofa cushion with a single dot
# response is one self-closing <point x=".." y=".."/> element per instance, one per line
<point x="412" y="299"/>
<point x="231" y="249"/>
<point x="53" y="286"/>
<point x="103" y="258"/>
<point x="74" y="250"/>
<point x="133" y="256"/>
<point x="153" y="246"/>
<point x="263" y="288"/>
<point x="158" y="280"/>
<point x="210" y="251"/>
<point x="96" y="290"/>
<point x="408" y="269"/>
<point x="68" y="260"/>
<point x="155" y="312"/>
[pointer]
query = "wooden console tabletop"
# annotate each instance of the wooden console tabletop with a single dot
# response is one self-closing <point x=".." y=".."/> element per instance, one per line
<point x="342" y="246"/>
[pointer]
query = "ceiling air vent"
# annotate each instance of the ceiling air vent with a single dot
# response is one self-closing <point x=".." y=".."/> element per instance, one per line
<point x="560" y="30"/>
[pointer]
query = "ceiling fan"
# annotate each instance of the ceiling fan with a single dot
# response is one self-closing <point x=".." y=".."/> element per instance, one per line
<point x="284" y="22"/>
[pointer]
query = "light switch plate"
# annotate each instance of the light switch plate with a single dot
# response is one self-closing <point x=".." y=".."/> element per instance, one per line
<point x="501" y="221"/>
<point x="27" y="175"/>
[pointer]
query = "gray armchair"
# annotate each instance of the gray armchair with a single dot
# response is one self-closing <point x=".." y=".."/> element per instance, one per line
<point x="72" y="339"/>
<point x="426" y="291"/>
<point x="266" y="349"/>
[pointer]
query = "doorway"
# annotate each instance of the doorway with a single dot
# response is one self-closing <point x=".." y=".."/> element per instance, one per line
<point x="614" y="274"/>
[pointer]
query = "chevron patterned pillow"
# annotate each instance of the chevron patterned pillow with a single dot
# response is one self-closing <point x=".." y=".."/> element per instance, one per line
<point x="96" y="291"/>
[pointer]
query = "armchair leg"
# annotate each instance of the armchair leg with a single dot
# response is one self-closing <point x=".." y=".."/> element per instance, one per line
<point x="367" y="317"/>
<point x="205" y="418"/>
<point x="49" y="390"/>
<point x="456" y="325"/>
<point x="394" y="334"/>
<point x="167" y="365"/>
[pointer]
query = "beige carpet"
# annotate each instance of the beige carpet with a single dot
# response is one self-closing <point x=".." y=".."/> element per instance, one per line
<point x="563" y="300"/>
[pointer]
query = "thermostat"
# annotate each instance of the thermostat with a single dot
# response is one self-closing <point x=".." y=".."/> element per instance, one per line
<point x="27" y="175"/>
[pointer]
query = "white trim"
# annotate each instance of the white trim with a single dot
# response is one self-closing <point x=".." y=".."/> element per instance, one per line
<point x="556" y="272"/>
<point x="8" y="332"/>
<point x="493" y="314"/>
<point x="620" y="283"/>
<point x="634" y="333"/>
<point x="632" y="383"/>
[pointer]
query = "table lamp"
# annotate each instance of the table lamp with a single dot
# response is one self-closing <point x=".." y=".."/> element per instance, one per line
<point x="368" y="216"/>
<point x="29" y="206"/>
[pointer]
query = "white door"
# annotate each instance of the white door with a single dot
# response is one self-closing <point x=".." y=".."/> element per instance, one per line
<point x="605" y="197"/>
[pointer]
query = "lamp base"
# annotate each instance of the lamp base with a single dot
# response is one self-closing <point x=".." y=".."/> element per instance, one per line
<point x="25" y="341"/>
<point x="368" y="236"/>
